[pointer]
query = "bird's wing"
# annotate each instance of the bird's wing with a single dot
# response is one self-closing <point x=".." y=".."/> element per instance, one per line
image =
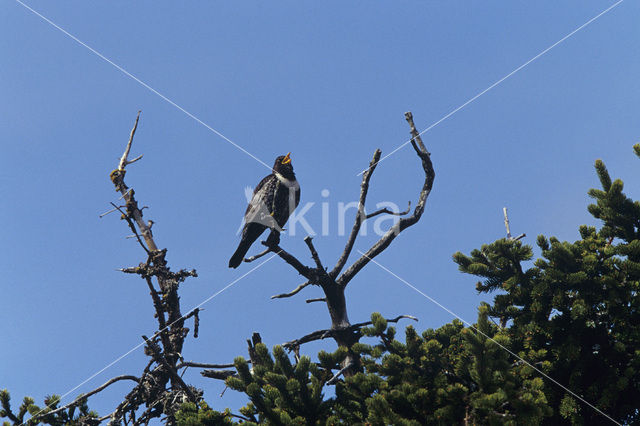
<point x="260" y="201"/>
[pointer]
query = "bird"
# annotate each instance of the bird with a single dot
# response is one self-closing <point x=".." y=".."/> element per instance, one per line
<point x="274" y="199"/>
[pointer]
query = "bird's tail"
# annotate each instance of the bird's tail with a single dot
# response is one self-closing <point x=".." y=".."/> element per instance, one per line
<point x="238" y="256"/>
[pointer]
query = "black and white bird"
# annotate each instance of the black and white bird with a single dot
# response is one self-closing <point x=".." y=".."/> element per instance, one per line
<point x="274" y="199"/>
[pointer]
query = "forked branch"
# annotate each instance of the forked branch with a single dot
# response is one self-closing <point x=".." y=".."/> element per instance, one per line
<point x="403" y="223"/>
<point x="124" y="161"/>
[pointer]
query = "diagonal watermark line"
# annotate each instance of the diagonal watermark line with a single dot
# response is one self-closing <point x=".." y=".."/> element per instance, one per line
<point x="142" y="83"/>
<point x="121" y="357"/>
<point x="493" y="340"/>
<point x="501" y="80"/>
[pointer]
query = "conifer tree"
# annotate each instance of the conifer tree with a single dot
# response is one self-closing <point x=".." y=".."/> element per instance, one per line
<point x="49" y="414"/>
<point x="451" y="375"/>
<point x="575" y="312"/>
<point x="572" y="313"/>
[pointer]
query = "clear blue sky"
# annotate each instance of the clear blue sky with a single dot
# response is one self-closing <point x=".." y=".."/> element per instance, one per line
<point x="330" y="83"/>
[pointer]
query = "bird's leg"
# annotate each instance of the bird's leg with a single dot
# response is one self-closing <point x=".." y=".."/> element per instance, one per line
<point x="272" y="241"/>
<point x="274" y="238"/>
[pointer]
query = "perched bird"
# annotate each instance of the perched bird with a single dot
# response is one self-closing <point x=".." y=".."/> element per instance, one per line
<point x="274" y="199"/>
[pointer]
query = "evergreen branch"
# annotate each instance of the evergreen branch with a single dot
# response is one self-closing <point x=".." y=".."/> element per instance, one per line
<point x="5" y="400"/>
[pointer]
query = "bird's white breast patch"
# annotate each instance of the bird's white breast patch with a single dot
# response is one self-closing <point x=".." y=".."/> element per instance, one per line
<point x="288" y="182"/>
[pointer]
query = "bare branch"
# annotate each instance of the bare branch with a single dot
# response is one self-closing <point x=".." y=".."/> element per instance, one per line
<point x="106" y="213"/>
<point x="257" y="256"/>
<point x="122" y="196"/>
<point x="133" y="212"/>
<point x="123" y="161"/>
<point x="83" y="397"/>
<point x="360" y="215"/>
<point x="202" y="365"/>
<point x="403" y="223"/>
<point x="314" y="254"/>
<point x="506" y="222"/>
<point x="506" y="225"/>
<point x="319" y="299"/>
<point x="157" y="304"/>
<point x="170" y="369"/>
<point x="218" y="374"/>
<point x="196" y="320"/>
<point x="316" y="335"/>
<point x="303" y="270"/>
<point x="395" y="320"/>
<point x="293" y="292"/>
<point x="126" y="217"/>
<point x="323" y="334"/>
<point x="387" y="211"/>
<point x="335" y="377"/>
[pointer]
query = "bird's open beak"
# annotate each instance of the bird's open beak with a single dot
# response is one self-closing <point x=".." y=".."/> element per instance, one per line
<point x="286" y="159"/>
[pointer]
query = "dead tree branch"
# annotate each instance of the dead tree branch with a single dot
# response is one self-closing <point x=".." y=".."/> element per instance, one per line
<point x="202" y="365"/>
<point x="404" y="223"/>
<point x="387" y="211"/>
<point x="303" y="270"/>
<point x="334" y="282"/>
<point x="159" y="388"/>
<point x="323" y="334"/>
<point x="360" y="215"/>
<point x="124" y="162"/>
<point x="159" y="358"/>
<point x="506" y="225"/>
<point x="218" y="374"/>
<point x="83" y="397"/>
<point x="257" y="256"/>
<point x="292" y="292"/>
<point x="336" y="376"/>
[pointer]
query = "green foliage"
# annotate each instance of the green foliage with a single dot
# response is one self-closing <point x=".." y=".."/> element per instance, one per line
<point x="71" y="416"/>
<point x="282" y="392"/>
<point x="201" y="414"/>
<point x="444" y="376"/>
<point x="575" y="311"/>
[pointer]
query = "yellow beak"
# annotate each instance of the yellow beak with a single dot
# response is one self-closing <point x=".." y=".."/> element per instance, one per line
<point x="287" y="159"/>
